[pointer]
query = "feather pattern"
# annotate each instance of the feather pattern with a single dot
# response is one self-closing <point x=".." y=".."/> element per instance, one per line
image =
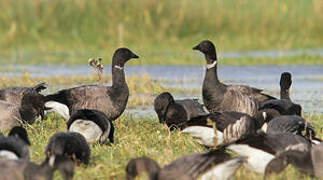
<point x="111" y="100"/>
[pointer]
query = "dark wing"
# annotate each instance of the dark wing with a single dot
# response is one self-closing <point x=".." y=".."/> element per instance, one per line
<point x="175" y="115"/>
<point x="284" y="107"/>
<point x="256" y="93"/>
<point x="224" y="118"/>
<point x="290" y="124"/>
<point x="192" y="107"/>
<point x="242" y="128"/>
<point x="193" y="165"/>
<point x="82" y="97"/>
<point x="15" y="145"/>
<point x="276" y="143"/>
<point x="235" y="99"/>
<point x="299" y="159"/>
<point x="15" y="94"/>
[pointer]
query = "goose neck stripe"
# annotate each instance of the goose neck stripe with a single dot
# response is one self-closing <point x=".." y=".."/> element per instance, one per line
<point x="209" y="66"/>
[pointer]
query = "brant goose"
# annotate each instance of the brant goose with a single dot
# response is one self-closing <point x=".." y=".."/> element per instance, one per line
<point x="292" y="124"/>
<point x="111" y="100"/>
<point x="72" y="144"/>
<point x="92" y="124"/>
<point x="284" y="106"/>
<point x="310" y="162"/>
<point x="174" y="112"/>
<point x="27" y="99"/>
<point x="23" y="169"/>
<point x="229" y="126"/>
<point x="218" y="96"/>
<point x="216" y="164"/>
<point x="262" y="148"/>
<point x="15" y="145"/>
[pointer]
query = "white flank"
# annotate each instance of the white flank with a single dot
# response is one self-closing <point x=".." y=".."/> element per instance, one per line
<point x="203" y="135"/>
<point x="219" y="137"/>
<point x="91" y="131"/>
<point x="223" y="171"/>
<point x="58" y="108"/>
<point x="257" y="159"/>
<point x="4" y="154"/>
<point x="264" y="127"/>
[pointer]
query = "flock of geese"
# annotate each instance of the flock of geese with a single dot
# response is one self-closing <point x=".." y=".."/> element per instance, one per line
<point x="265" y="133"/>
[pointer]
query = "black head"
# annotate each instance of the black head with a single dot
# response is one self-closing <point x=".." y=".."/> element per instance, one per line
<point x="32" y="106"/>
<point x="140" y="165"/>
<point x="161" y="102"/>
<point x="208" y="49"/>
<point x="122" y="55"/>
<point x="20" y="133"/>
<point x="285" y="80"/>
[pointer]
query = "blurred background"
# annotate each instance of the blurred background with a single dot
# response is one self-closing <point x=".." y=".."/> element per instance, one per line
<point x="162" y="32"/>
<point x="256" y="41"/>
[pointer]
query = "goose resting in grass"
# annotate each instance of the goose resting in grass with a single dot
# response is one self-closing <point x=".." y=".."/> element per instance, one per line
<point x="111" y="100"/>
<point x="92" y="124"/>
<point x="218" y="96"/>
<point x="292" y="124"/>
<point x="25" y="170"/>
<point x="211" y="165"/>
<point x="72" y="144"/>
<point x="310" y="162"/>
<point x="230" y="126"/>
<point x="28" y="101"/>
<point x="15" y="145"/>
<point x="261" y="148"/>
<point x="174" y="112"/>
<point x="284" y="105"/>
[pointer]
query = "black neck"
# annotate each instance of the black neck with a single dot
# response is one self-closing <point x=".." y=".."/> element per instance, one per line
<point x="211" y="75"/>
<point x="118" y="76"/>
<point x="284" y="93"/>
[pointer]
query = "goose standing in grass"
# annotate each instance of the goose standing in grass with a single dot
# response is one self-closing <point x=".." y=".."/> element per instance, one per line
<point x="310" y="162"/>
<point x="92" y="124"/>
<point x="72" y="144"/>
<point x="284" y="105"/>
<point x="260" y="149"/>
<point x="218" y="96"/>
<point x="211" y="165"/>
<point x="25" y="170"/>
<point x="174" y="112"/>
<point x="28" y="100"/>
<point x="292" y="124"/>
<point x="111" y="100"/>
<point x="229" y="126"/>
<point x="15" y="145"/>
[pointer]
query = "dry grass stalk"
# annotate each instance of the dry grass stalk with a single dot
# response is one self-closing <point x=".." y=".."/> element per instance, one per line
<point x="98" y="66"/>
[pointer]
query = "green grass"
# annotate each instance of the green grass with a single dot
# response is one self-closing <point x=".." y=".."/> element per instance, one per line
<point x="134" y="138"/>
<point x="162" y="32"/>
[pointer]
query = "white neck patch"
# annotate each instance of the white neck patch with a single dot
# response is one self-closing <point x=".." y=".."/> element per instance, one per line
<point x="51" y="160"/>
<point x="209" y="66"/>
<point x="118" y="67"/>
